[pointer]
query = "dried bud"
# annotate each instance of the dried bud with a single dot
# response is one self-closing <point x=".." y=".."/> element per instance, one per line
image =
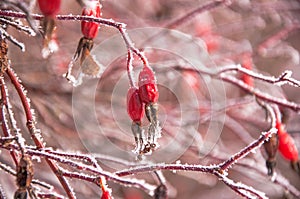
<point x="271" y="148"/>
<point x="160" y="192"/>
<point x="91" y="29"/>
<point x="24" y="172"/>
<point x="21" y="194"/>
<point x="296" y="166"/>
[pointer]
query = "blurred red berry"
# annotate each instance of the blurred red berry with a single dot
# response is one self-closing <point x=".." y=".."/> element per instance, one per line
<point x="135" y="106"/>
<point x="205" y="32"/>
<point x="147" y="86"/>
<point x="106" y="195"/>
<point x="247" y="63"/>
<point x="280" y="128"/>
<point x="90" y="29"/>
<point x="49" y="7"/>
<point x="212" y="43"/>
<point x="133" y="194"/>
<point x="191" y="79"/>
<point x="287" y="146"/>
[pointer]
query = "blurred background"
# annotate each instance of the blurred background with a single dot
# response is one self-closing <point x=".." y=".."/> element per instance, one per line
<point x="204" y="120"/>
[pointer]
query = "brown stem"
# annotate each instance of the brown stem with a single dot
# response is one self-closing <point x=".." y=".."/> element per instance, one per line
<point x="33" y="131"/>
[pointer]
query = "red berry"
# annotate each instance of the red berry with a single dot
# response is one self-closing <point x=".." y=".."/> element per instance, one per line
<point x="247" y="63"/>
<point x="106" y="195"/>
<point x="135" y="106"/>
<point x="212" y="43"/>
<point x="287" y="147"/>
<point x="280" y="128"/>
<point x="286" y="144"/>
<point x="91" y="29"/>
<point x="49" y="7"/>
<point x="147" y="86"/>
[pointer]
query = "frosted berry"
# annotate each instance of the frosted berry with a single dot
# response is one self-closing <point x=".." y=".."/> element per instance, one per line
<point x="49" y="7"/>
<point x="147" y="86"/>
<point x="135" y="107"/>
<point x="90" y="29"/>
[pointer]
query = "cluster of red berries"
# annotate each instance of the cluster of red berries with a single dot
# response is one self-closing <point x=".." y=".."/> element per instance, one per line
<point x="144" y="100"/>
<point x="283" y="142"/>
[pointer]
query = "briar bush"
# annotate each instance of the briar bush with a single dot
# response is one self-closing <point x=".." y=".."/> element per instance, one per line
<point x="149" y="99"/>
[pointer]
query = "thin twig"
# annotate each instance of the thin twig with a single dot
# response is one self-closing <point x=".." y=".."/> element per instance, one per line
<point x="12" y="39"/>
<point x="187" y="16"/>
<point x="4" y="124"/>
<point x="241" y="189"/>
<point x="18" y="26"/>
<point x="101" y="181"/>
<point x="221" y="74"/>
<point x="254" y="145"/>
<point x="259" y="94"/>
<point x="12" y="172"/>
<point x="274" y="39"/>
<point x="2" y="194"/>
<point x="284" y="78"/>
<point x="130" y="69"/>
<point x="127" y="182"/>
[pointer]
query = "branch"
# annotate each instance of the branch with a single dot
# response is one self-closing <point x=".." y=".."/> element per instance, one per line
<point x="101" y="181"/>
<point x="108" y="22"/>
<point x="241" y="189"/>
<point x="217" y="170"/>
<point x="254" y="145"/>
<point x="17" y="25"/>
<point x="110" y="176"/>
<point x="259" y="94"/>
<point x="4" y="124"/>
<point x="12" y="172"/>
<point x="221" y="74"/>
<point x="35" y="134"/>
<point x="284" y="78"/>
<point x="2" y="194"/>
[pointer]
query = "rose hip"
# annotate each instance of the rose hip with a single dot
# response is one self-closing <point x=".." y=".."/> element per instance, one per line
<point x="287" y="145"/>
<point x="135" y="106"/>
<point x="147" y="86"/>
<point x="90" y="29"/>
<point x="49" y="8"/>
